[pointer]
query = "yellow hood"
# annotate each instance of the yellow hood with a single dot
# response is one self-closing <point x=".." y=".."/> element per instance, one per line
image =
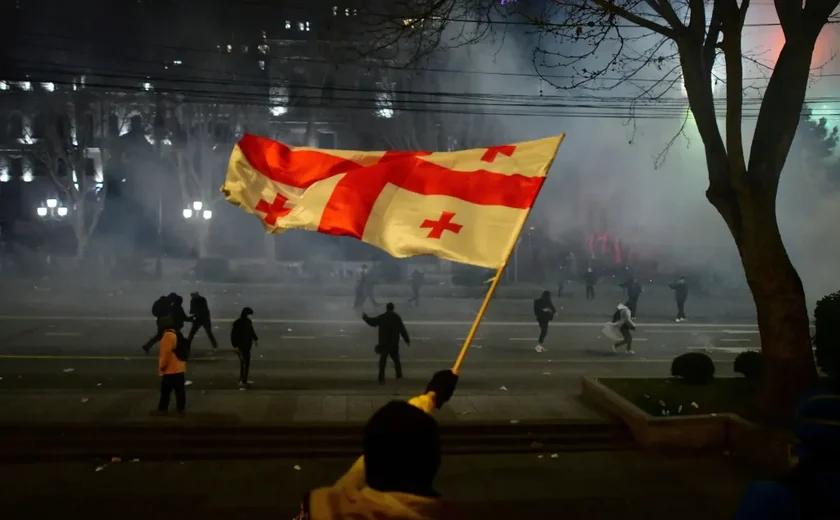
<point x="369" y="504"/>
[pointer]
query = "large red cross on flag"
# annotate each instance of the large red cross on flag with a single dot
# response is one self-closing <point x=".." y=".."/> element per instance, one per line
<point x="467" y="206"/>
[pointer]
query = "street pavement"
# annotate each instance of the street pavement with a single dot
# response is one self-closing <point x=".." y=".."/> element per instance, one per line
<point x="592" y="485"/>
<point x="315" y="360"/>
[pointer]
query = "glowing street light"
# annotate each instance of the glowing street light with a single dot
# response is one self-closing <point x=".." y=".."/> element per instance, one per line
<point x="195" y="212"/>
<point x="188" y="213"/>
<point x="207" y="214"/>
<point x="197" y="205"/>
<point x="52" y="208"/>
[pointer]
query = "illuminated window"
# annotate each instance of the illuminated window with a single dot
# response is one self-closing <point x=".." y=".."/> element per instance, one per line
<point x="385" y="100"/>
<point x="4" y="85"/>
<point x="229" y="48"/>
<point x="48" y="86"/>
<point x="262" y="48"/>
<point x="261" y="63"/>
<point x="335" y="10"/>
<point x="278" y="98"/>
<point x="346" y="12"/>
<point x="288" y="24"/>
<point x="307" y="26"/>
<point x="25" y="85"/>
<point x="147" y="86"/>
<point x="177" y="62"/>
<point x="301" y="26"/>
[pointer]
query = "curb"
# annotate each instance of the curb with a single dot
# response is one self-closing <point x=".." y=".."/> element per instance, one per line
<point x="46" y="442"/>
<point x="758" y="446"/>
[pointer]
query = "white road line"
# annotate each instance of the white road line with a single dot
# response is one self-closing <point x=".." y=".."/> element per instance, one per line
<point x="421" y="338"/>
<point x="747" y="328"/>
<point x="734" y="340"/>
<point x="63" y="334"/>
<point x="730" y="350"/>
<point x="741" y="331"/>
<point x="298" y="337"/>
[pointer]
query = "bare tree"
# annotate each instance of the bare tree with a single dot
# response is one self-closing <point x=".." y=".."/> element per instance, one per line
<point x="73" y="146"/>
<point x="197" y="147"/>
<point x="680" y="40"/>
<point x="417" y="115"/>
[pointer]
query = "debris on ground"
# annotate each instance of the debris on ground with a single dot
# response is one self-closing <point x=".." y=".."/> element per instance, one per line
<point x="187" y="382"/>
<point x="477" y="346"/>
<point x="555" y="456"/>
<point x="116" y="460"/>
<point x="503" y="388"/>
<point x="98" y="384"/>
<point x="540" y="456"/>
<point x="84" y="400"/>
<point x="296" y="467"/>
<point x="69" y="369"/>
<point x="100" y="468"/>
<point x="546" y="373"/>
<point x="536" y="445"/>
<point x="290" y="330"/>
<point x="135" y="461"/>
<point x="514" y="421"/>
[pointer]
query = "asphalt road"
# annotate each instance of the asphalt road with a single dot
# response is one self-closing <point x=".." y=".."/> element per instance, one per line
<point x="37" y="352"/>
<point x="296" y="302"/>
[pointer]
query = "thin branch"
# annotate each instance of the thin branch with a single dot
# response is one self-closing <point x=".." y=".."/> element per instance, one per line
<point x="659" y="159"/>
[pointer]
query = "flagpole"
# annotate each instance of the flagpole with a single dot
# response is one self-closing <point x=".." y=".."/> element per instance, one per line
<point x="456" y="368"/>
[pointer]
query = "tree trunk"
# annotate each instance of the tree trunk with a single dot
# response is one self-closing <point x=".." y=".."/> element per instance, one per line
<point x="779" y="298"/>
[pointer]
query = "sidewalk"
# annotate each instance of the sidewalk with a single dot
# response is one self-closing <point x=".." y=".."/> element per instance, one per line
<point x="594" y="486"/>
<point x="275" y="408"/>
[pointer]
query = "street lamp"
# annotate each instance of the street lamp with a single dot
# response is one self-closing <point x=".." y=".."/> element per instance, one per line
<point x="196" y="212"/>
<point x="52" y="208"/>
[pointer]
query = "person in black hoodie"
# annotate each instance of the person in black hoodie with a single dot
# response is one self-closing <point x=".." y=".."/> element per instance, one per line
<point x="634" y="290"/>
<point x="161" y="310"/>
<point x="201" y="318"/>
<point x="544" y="311"/>
<point x="681" y="292"/>
<point x="176" y="311"/>
<point x="391" y="327"/>
<point x="243" y="337"/>
<point x="590" y="279"/>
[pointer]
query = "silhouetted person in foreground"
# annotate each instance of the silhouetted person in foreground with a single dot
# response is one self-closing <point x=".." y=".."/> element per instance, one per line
<point x="201" y="318"/>
<point x="243" y="337"/>
<point x="681" y="292"/>
<point x="810" y="490"/>
<point x="394" y="479"/>
<point x="590" y="279"/>
<point x="544" y="311"/>
<point x="391" y="327"/>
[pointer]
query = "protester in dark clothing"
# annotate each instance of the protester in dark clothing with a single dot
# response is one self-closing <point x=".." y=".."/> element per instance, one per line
<point x="364" y="288"/>
<point x="200" y="312"/>
<point x="417" y="280"/>
<point x="544" y="311"/>
<point x="161" y="310"/>
<point x="243" y="337"/>
<point x="391" y="327"/>
<point x="590" y="279"/>
<point x="634" y="290"/>
<point x="395" y="477"/>
<point x="176" y="311"/>
<point x="561" y="281"/>
<point x="681" y="292"/>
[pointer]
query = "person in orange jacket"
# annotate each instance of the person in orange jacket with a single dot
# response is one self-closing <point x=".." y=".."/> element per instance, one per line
<point x="395" y="476"/>
<point x="172" y="371"/>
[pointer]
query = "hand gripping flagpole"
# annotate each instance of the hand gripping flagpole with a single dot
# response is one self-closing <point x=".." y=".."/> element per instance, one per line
<point x="456" y="368"/>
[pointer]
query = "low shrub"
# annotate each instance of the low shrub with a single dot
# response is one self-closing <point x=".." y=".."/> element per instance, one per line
<point x="826" y="338"/>
<point x="748" y="364"/>
<point x="693" y="367"/>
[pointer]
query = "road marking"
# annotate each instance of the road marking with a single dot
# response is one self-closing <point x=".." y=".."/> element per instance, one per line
<point x="63" y="334"/>
<point x="96" y="358"/>
<point x="729" y="350"/>
<point x="741" y="331"/>
<point x="298" y="337"/>
<point x="751" y="328"/>
<point x="734" y="340"/>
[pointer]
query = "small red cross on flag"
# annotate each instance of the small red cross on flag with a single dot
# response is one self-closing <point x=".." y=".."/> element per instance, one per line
<point x="275" y="210"/>
<point x="437" y="227"/>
